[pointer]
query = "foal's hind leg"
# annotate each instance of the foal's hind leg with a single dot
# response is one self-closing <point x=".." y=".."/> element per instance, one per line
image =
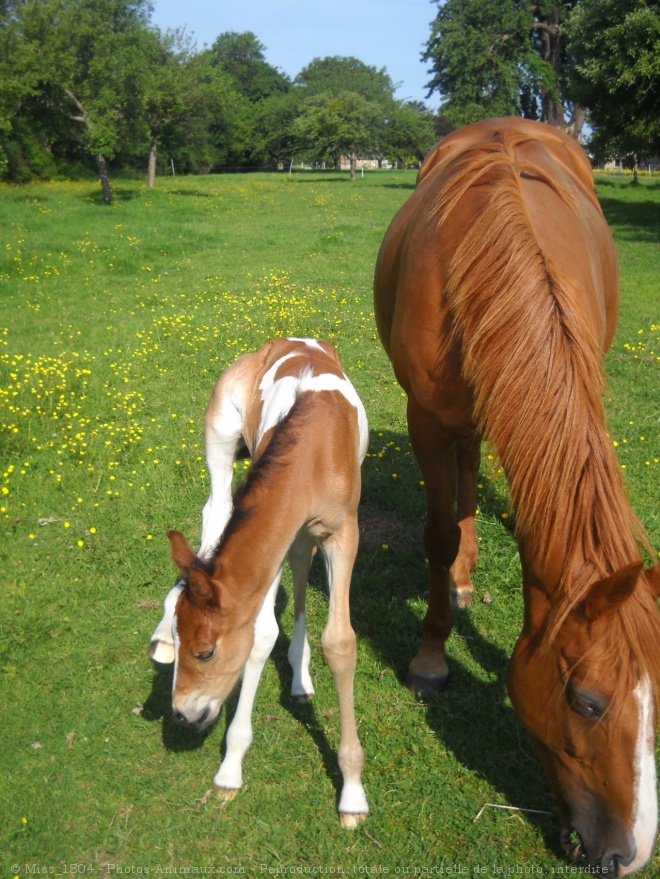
<point x="339" y="648"/>
<point x="428" y="672"/>
<point x="468" y="456"/>
<point x="301" y="554"/>
<point x="223" y="438"/>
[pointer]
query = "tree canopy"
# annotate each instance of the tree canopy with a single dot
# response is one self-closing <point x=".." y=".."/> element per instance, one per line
<point x="560" y="62"/>
<point x="93" y="84"/>
<point x="500" y="58"/>
<point x="614" y="48"/>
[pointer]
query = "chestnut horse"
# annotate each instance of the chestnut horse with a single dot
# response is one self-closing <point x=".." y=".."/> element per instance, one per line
<point x="306" y="430"/>
<point x="496" y="295"/>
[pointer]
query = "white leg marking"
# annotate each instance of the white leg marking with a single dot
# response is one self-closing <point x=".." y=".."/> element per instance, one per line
<point x="339" y="647"/>
<point x="645" y="808"/>
<point x="162" y="640"/>
<point x="239" y="735"/>
<point x="299" y="659"/>
<point x="223" y="438"/>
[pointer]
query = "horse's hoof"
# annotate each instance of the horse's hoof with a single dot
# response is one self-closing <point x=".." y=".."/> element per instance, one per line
<point x="425" y="685"/>
<point x="226" y="793"/>
<point x="460" y="598"/>
<point x="350" y="821"/>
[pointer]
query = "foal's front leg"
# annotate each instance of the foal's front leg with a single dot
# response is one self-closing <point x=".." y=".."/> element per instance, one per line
<point x="229" y="777"/>
<point x="339" y="648"/>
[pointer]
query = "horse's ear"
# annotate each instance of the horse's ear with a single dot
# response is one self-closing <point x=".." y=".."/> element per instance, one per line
<point x="202" y="590"/>
<point x="182" y="554"/>
<point x="606" y="596"/>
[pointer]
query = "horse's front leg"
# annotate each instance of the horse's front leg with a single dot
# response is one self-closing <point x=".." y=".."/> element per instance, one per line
<point x="339" y="648"/>
<point x="468" y="457"/>
<point x="428" y="672"/>
<point x="229" y="777"/>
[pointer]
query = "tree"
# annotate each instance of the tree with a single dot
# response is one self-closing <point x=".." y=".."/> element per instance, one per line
<point x="335" y="74"/>
<point x="242" y="57"/>
<point x="83" y="60"/>
<point x="500" y="58"/>
<point x="338" y="124"/>
<point x="182" y="90"/>
<point x="409" y="132"/>
<point x="273" y="127"/>
<point x="614" y="46"/>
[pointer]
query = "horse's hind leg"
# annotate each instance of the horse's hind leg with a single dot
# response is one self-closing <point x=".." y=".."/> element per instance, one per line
<point x="468" y="456"/>
<point x="428" y="672"/>
<point x="301" y="554"/>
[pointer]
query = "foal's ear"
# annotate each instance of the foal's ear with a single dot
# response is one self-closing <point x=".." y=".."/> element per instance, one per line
<point x="182" y="554"/>
<point x="606" y="596"/>
<point x="202" y="590"/>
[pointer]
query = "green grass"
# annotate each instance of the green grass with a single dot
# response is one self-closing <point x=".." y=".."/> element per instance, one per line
<point x="115" y="323"/>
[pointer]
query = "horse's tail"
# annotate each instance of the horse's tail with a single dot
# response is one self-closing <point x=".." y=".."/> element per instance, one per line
<point x="533" y="361"/>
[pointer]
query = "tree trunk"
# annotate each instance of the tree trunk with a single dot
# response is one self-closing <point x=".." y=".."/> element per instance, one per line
<point x="103" y="176"/>
<point x="151" y="171"/>
<point x="353" y="164"/>
<point x="578" y="118"/>
<point x="548" y="32"/>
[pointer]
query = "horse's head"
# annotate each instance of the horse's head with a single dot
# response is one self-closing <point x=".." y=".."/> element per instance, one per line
<point x="588" y="697"/>
<point x="210" y="644"/>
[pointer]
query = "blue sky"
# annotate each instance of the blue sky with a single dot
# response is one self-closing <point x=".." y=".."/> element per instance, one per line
<point x="381" y="33"/>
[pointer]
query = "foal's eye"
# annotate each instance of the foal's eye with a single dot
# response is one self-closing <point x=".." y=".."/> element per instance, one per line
<point x="205" y="655"/>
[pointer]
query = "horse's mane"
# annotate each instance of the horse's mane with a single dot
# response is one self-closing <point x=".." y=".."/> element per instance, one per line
<point x="536" y="372"/>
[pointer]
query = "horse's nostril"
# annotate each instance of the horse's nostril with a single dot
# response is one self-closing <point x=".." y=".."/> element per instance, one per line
<point x="180" y="717"/>
<point x="204" y="715"/>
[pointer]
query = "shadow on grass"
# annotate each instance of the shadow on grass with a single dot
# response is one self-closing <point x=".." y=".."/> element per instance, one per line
<point x="472" y="717"/>
<point x="158" y="706"/>
<point x="637" y="220"/>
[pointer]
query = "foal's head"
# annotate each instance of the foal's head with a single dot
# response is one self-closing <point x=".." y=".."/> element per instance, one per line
<point x="588" y="695"/>
<point x="211" y="642"/>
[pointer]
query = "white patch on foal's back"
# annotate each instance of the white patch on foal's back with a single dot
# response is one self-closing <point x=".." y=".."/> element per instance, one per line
<point x="278" y="396"/>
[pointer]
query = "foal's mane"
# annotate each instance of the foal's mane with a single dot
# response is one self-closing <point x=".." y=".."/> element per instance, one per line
<point x="536" y="372"/>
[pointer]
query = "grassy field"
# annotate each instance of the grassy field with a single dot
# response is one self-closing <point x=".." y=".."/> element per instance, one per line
<point x="114" y="324"/>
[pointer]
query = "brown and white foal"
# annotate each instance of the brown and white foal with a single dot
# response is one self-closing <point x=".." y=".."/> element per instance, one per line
<point x="306" y="430"/>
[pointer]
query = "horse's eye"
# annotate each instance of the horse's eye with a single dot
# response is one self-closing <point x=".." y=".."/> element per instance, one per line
<point x="585" y="704"/>
<point x="205" y="655"/>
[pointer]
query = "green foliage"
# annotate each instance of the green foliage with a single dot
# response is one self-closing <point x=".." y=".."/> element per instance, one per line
<point x="615" y="50"/>
<point x="242" y="57"/>
<point x="496" y="58"/>
<point x="335" y="74"/>
<point x="115" y="325"/>
<point x="334" y="124"/>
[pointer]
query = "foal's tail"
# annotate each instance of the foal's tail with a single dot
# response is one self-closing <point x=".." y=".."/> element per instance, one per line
<point x="532" y="360"/>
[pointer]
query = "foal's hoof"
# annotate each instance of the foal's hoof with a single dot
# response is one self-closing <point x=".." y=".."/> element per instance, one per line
<point x="349" y="821"/>
<point x="226" y="793"/>
<point x="425" y="685"/>
<point x="460" y="598"/>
